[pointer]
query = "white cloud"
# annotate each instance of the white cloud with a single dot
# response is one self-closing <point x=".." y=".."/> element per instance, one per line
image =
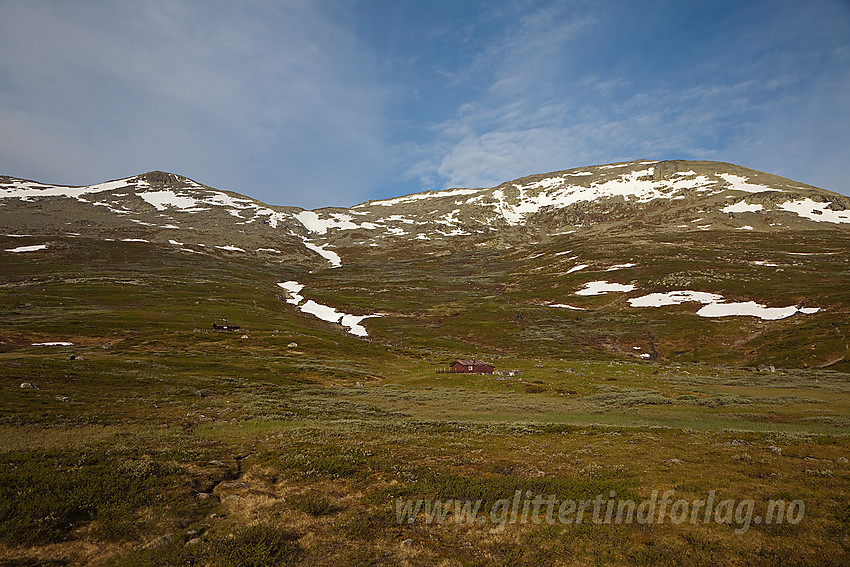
<point x="261" y="97"/>
<point x="557" y="99"/>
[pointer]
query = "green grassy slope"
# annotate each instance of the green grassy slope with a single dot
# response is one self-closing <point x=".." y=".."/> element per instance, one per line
<point x="153" y="440"/>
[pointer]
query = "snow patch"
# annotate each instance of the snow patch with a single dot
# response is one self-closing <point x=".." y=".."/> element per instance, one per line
<point x="419" y="197"/>
<point x="738" y="183"/>
<point x="294" y="289"/>
<point x="674" y="298"/>
<point x="816" y="211"/>
<point x="743" y="207"/>
<point x="748" y="308"/>
<point x="328" y="255"/>
<point x="32" y="248"/>
<point x="714" y="305"/>
<point x="323" y="312"/>
<point x="565" y="306"/>
<point x="161" y="200"/>
<point x="616" y="267"/>
<point x="26" y="190"/>
<point x="314" y="223"/>
<point x="603" y="287"/>
<point x="352" y="323"/>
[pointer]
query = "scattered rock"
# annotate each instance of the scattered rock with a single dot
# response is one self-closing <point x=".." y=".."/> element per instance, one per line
<point x="232" y="497"/>
<point x="841" y="460"/>
<point x="590" y="470"/>
<point x="234" y="484"/>
<point x="62" y="398"/>
<point x="292" y="345"/>
<point x="72" y="357"/>
<point x="775" y="450"/>
<point x="159" y="542"/>
<point x="29" y="386"/>
<point x="407" y="543"/>
<point x="821" y="473"/>
<point x="526" y="471"/>
<point x="673" y="462"/>
<point x="738" y="442"/>
<point x="207" y="496"/>
<point x="193" y="541"/>
<point x="244" y="337"/>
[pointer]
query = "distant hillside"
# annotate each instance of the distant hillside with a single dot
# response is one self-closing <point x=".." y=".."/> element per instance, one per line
<point x="676" y="260"/>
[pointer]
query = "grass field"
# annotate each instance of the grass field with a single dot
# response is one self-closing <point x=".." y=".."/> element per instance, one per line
<point x="154" y="441"/>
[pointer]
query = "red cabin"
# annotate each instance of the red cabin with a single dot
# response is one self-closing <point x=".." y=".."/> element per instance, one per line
<point x="473" y="366"/>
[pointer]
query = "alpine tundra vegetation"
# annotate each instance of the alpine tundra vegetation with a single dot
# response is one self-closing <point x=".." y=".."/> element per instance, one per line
<point x="663" y="332"/>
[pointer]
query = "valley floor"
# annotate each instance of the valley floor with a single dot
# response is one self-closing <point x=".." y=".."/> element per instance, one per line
<point x="219" y="453"/>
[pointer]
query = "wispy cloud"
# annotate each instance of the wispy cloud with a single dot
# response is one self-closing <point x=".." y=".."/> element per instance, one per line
<point x="557" y="99"/>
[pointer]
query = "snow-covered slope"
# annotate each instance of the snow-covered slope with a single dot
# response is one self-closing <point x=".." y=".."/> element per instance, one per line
<point x="633" y="196"/>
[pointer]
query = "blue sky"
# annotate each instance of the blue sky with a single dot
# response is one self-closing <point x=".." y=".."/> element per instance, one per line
<point x="319" y="103"/>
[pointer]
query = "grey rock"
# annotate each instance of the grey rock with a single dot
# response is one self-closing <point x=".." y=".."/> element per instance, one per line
<point x="159" y="542"/>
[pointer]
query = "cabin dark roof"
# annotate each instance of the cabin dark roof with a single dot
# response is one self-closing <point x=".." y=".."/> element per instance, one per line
<point x="473" y="362"/>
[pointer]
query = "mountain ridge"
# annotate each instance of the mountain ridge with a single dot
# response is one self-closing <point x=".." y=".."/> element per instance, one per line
<point x="571" y="199"/>
<point x="693" y="255"/>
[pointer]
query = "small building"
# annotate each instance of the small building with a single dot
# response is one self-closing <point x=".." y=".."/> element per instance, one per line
<point x="473" y="366"/>
<point x="217" y="327"/>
